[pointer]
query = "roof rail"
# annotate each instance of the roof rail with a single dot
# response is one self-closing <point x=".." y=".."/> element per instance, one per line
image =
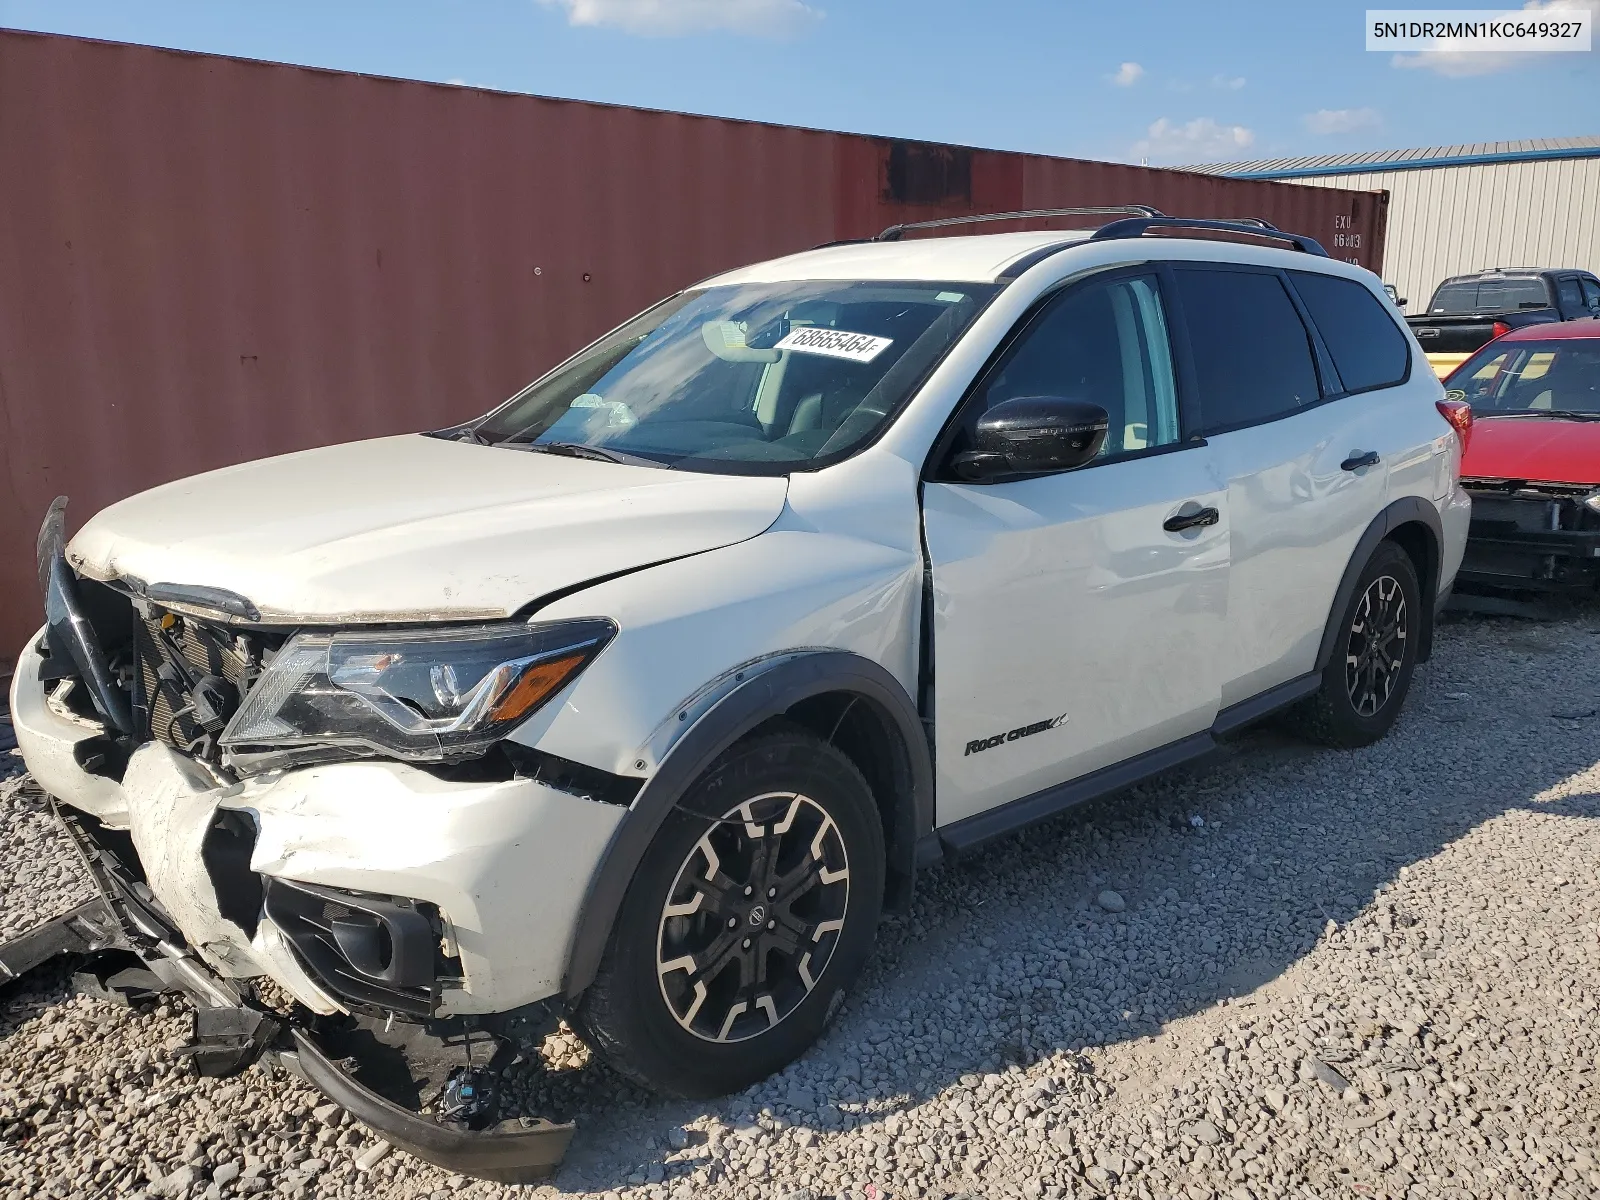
<point x="1134" y="227"/>
<point x="894" y="232"/>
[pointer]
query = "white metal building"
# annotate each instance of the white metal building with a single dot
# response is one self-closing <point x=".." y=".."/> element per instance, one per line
<point x="1454" y="209"/>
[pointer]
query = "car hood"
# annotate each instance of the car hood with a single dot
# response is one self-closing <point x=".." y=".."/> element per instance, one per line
<point x="416" y="528"/>
<point x="1542" y="449"/>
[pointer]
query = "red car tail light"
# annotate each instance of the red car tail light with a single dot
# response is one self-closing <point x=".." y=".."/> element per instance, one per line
<point x="1459" y="414"/>
<point x="1500" y="329"/>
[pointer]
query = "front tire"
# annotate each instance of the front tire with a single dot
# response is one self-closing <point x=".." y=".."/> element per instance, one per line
<point x="739" y="935"/>
<point x="1364" y="685"/>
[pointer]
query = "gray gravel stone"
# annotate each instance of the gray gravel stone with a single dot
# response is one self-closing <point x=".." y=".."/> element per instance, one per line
<point x="41" y="876"/>
<point x="1316" y="1069"/>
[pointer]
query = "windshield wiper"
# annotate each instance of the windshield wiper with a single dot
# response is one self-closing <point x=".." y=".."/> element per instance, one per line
<point x="579" y="450"/>
<point x="1565" y="414"/>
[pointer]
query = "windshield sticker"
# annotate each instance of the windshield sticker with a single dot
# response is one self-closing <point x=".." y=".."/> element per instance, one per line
<point x="835" y="343"/>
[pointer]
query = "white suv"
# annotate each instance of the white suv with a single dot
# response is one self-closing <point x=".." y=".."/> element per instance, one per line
<point x="638" y="699"/>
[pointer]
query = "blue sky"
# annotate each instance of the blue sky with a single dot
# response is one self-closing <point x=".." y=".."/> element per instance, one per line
<point x="1171" y="81"/>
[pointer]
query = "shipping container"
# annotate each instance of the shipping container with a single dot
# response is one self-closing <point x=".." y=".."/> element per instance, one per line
<point x="207" y="260"/>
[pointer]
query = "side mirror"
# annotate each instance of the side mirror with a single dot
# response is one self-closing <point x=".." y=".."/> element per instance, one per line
<point x="1033" y="435"/>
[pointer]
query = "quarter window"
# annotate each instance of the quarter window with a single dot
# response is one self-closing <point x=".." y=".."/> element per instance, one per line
<point x="1252" y="354"/>
<point x="1101" y="342"/>
<point x="1367" y="347"/>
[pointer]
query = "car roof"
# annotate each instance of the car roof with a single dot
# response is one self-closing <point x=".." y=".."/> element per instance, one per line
<point x="993" y="257"/>
<point x="1588" y="327"/>
<point x="1514" y="273"/>
<point x="976" y="258"/>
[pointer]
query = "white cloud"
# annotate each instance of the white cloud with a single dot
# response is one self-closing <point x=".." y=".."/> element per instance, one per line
<point x="1229" y="83"/>
<point x="670" y="18"/>
<point x="1343" y="120"/>
<point x="1461" y="64"/>
<point x="1199" y="140"/>
<point x="1128" y="74"/>
<point x="457" y="82"/>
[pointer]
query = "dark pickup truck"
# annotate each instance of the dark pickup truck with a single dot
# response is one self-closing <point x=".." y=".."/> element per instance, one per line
<point x="1469" y="310"/>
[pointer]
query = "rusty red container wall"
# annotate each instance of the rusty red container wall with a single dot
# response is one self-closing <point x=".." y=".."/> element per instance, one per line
<point x="207" y="260"/>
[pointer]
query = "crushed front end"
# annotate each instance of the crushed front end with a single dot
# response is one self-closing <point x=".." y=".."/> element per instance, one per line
<point x="1531" y="536"/>
<point x="392" y="930"/>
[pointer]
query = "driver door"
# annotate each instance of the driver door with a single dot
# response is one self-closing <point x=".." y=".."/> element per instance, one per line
<point x="1071" y="628"/>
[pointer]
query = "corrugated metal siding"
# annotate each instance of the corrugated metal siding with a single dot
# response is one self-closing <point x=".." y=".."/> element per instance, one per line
<point x="208" y="260"/>
<point x="1532" y="148"/>
<point x="1452" y="220"/>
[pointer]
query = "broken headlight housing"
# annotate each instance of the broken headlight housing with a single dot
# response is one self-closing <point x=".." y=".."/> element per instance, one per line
<point x="424" y="695"/>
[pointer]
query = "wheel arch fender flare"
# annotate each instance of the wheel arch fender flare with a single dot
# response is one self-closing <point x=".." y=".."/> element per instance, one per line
<point x="770" y="693"/>
<point x="1406" y="511"/>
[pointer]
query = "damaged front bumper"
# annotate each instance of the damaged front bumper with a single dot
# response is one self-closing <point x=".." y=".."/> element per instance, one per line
<point x="1524" y="537"/>
<point x="231" y="1032"/>
<point x="369" y="892"/>
<point x="513" y="1151"/>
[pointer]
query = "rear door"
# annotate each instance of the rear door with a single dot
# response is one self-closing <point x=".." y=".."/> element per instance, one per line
<point x="1072" y="628"/>
<point x="1306" y="463"/>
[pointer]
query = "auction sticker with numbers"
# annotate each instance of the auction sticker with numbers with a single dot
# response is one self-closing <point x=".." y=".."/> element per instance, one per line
<point x="835" y="343"/>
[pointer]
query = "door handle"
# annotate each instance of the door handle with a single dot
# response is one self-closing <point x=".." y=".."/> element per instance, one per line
<point x="1367" y="458"/>
<point x="1194" y="520"/>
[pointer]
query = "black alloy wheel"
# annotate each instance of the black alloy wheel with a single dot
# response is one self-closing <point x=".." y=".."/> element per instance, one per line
<point x="753" y="917"/>
<point x="1364" y="686"/>
<point x="1377" y="645"/>
<point x="741" y="931"/>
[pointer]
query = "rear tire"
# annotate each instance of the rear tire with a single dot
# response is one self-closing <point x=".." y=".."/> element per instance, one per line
<point x="738" y="936"/>
<point x="1365" y="683"/>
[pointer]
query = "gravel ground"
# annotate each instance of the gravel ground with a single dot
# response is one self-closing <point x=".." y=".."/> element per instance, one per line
<point x="40" y="876"/>
<point x="1286" y="972"/>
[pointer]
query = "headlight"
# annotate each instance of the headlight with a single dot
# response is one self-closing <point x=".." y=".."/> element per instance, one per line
<point x="1592" y="502"/>
<point x="428" y="695"/>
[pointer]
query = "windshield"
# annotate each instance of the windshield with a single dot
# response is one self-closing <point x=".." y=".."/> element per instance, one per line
<point x="1489" y="296"/>
<point x="1531" y="377"/>
<point x="758" y="378"/>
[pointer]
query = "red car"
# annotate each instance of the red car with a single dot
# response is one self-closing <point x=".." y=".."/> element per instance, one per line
<point x="1532" y="463"/>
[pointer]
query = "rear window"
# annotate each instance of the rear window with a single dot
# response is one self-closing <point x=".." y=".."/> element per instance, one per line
<point x="1488" y="296"/>
<point x="1252" y="355"/>
<point x="1367" y="347"/>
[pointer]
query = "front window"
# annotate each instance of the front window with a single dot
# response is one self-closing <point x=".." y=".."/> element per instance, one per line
<point x="1557" y="376"/>
<point x="755" y="378"/>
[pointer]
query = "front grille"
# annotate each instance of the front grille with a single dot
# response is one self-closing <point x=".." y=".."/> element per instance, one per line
<point x="161" y="703"/>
